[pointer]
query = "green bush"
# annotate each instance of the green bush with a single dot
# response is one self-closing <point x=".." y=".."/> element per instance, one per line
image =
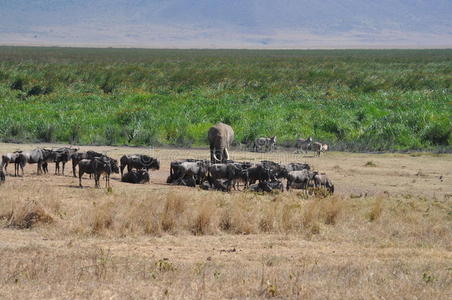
<point x="373" y="100"/>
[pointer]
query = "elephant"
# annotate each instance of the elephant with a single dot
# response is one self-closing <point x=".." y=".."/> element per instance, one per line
<point x="220" y="137"/>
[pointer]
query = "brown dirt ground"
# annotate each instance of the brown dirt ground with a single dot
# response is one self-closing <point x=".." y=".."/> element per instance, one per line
<point x="409" y="262"/>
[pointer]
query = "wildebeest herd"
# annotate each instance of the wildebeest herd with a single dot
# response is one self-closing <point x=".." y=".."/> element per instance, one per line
<point x="218" y="173"/>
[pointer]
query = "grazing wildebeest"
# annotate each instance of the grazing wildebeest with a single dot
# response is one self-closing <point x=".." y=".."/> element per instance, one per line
<point x="300" y="177"/>
<point x="96" y="166"/>
<point x="63" y="155"/>
<point x="220" y="137"/>
<point x="264" y="144"/>
<point x="11" y="158"/>
<point x="139" y="161"/>
<point x="78" y="156"/>
<point x="321" y="180"/>
<point x="303" y="145"/>
<point x="188" y="171"/>
<point x="136" y="176"/>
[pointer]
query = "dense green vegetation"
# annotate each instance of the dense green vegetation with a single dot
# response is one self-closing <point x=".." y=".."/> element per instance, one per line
<point x="356" y="100"/>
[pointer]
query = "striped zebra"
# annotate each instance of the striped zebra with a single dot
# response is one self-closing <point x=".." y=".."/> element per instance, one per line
<point x="303" y="145"/>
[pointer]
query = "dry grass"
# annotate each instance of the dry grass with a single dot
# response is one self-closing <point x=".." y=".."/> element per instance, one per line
<point x="158" y="241"/>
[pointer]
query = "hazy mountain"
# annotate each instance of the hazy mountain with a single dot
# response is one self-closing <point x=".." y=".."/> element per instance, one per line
<point x="227" y="23"/>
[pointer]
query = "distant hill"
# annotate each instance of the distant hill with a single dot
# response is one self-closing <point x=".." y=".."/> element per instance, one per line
<point x="231" y="23"/>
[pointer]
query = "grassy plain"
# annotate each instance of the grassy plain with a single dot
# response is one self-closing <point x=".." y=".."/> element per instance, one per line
<point x="358" y="100"/>
<point x="386" y="233"/>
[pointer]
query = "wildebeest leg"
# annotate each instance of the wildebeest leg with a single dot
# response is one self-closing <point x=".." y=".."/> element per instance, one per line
<point x="74" y="164"/>
<point x="21" y="165"/>
<point x="80" y="174"/>
<point x="96" y="180"/>
<point x="64" y="163"/>
<point x="6" y="167"/>
<point x="57" y="167"/>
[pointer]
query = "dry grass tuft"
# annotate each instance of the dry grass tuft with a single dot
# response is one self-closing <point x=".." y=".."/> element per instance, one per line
<point x="173" y="209"/>
<point x="376" y="209"/>
<point x="203" y="222"/>
<point x="370" y="164"/>
<point x="27" y="214"/>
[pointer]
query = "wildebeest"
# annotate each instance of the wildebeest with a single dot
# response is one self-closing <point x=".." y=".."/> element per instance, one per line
<point x="321" y="180"/>
<point x="136" y="176"/>
<point x="188" y="171"/>
<point x="267" y="186"/>
<point x="49" y="156"/>
<point x="11" y="158"/>
<point x="36" y="156"/>
<point x="303" y="144"/>
<point x="78" y="156"/>
<point x="220" y="137"/>
<point x="292" y="167"/>
<point x="138" y="161"/>
<point x="259" y="173"/>
<point x="230" y="172"/>
<point x="97" y="166"/>
<point x="301" y="177"/>
<point x="264" y="144"/>
<point x="63" y="155"/>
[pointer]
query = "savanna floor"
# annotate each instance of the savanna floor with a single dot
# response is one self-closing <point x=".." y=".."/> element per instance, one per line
<point x="386" y="233"/>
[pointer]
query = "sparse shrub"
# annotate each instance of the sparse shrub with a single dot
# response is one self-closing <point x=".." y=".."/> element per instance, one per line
<point x="18" y="84"/>
<point x="164" y="265"/>
<point x="35" y="90"/>
<point x="370" y="164"/>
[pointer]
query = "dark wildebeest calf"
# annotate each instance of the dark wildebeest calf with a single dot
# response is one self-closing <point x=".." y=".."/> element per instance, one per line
<point x="136" y="176"/>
